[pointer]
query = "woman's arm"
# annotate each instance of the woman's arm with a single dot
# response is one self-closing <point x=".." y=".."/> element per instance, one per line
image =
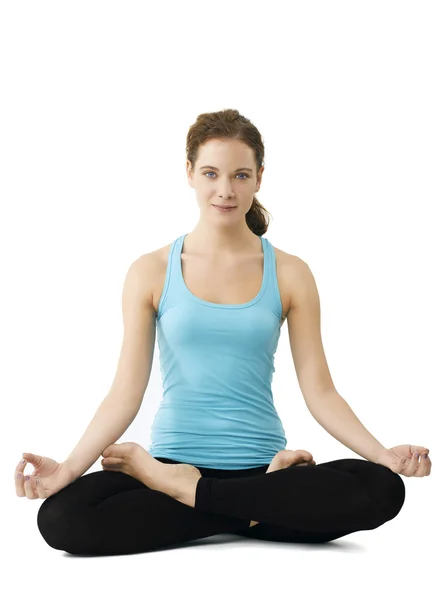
<point x="111" y="420"/>
<point x="121" y="405"/>
<point x="323" y="401"/>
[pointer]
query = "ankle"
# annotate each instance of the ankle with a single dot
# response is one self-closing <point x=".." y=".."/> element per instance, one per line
<point x="185" y="492"/>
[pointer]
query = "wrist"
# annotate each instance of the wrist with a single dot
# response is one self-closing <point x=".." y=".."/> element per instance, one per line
<point x="69" y="467"/>
<point x="381" y="453"/>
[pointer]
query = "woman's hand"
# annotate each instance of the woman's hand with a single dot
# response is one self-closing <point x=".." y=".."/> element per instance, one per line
<point x="47" y="478"/>
<point x="405" y="460"/>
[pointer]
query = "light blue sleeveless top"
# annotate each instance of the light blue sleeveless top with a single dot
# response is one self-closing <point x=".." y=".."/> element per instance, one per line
<point x="217" y="363"/>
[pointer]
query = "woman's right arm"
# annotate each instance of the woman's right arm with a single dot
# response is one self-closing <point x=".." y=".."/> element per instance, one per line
<point x="121" y="405"/>
<point x="111" y="420"/>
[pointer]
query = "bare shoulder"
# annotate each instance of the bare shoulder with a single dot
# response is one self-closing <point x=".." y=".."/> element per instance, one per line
<point x="291" y="274"/>
<point x="161" y="254"/>
<point x="302" y="287"/>
<point x="287" y="260"/>
<point x="151" y="269"/>
<point x="158" y="260"/>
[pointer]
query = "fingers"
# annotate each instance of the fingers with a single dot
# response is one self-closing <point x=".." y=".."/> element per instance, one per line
<point x="425" y="464"/>
<point x="40" y="489"/>
<point x="418" y="466"/>
<point x="24" y="487"/>
<point x="19" y="478"/>
<point x="30" y="488"/>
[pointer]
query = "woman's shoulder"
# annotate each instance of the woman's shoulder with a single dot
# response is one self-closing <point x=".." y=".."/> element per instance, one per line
<point x="286" y="260"/>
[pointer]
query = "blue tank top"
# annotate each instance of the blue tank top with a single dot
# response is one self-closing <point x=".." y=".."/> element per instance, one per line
<point x="217" y="363"/>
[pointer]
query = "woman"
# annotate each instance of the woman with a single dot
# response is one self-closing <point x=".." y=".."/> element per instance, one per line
<point x="218" y="297"/>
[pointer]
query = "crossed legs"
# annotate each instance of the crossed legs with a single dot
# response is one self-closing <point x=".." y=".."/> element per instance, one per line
<point x="108" y="512"/>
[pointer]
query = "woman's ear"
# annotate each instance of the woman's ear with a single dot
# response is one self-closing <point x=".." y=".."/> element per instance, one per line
<point x="189" y="171"/>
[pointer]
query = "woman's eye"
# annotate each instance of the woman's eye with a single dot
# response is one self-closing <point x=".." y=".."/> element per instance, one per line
<point x="207" y="172"/>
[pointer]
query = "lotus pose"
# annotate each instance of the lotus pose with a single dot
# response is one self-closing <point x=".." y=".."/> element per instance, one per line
<point x="217" y="463"/>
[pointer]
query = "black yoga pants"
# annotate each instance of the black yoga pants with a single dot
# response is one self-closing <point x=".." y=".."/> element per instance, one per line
<point x="111" y="513"/>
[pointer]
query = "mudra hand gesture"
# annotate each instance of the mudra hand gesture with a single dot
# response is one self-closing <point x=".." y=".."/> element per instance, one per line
<point x="404" y="460"/>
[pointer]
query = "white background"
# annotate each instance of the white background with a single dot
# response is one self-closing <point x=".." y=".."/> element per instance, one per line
<point x="350" y="98"/>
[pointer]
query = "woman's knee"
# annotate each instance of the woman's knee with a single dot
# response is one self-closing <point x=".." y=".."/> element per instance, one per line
<point x="393" y="493"/>
<point x="385" y="487"/>
<point x="67" y="528"/>
<point x="52" y="522"/>
<point x="59" y="517"/>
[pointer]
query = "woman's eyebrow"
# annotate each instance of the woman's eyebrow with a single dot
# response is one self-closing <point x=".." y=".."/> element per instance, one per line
<point x="236" y="170"/>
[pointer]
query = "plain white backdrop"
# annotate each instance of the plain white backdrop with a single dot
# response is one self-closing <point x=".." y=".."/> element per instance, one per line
<point x="350" y="98"/>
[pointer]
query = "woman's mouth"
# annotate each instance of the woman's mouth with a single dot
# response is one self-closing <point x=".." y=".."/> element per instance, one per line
<point x="224" y="209"/>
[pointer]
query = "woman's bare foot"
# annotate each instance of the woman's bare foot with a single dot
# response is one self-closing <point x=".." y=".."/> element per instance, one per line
<point x="134" y="460"/>
<point x="289" y="458"/>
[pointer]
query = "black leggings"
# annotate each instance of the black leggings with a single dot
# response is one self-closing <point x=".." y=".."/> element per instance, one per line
<point x="110" y="512"/>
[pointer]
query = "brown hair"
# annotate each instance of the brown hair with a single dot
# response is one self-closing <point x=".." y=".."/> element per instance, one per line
<point x="230" y="124"/>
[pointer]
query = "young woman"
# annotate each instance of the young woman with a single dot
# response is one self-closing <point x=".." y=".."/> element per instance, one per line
<point x="218" y="297"/>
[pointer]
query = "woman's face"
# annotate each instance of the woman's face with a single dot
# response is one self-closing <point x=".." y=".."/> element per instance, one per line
<point x="225" y="174"/>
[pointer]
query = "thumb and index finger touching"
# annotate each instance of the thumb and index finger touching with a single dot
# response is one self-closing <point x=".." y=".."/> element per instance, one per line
<point x="28" y="457"/>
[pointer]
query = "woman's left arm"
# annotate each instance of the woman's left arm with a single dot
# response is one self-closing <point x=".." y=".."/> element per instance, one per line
<point x="323" y="401"/>
<point x="334" y="414"/>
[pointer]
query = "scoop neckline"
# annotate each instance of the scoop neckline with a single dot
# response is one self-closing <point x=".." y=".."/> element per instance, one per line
<point x="218" y="305"/>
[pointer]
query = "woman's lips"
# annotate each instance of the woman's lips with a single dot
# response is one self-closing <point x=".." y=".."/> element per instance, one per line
<point x="224" y="209"/>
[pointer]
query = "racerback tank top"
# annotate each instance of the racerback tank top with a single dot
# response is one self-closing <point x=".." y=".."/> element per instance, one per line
<point x="217" y="364"/>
